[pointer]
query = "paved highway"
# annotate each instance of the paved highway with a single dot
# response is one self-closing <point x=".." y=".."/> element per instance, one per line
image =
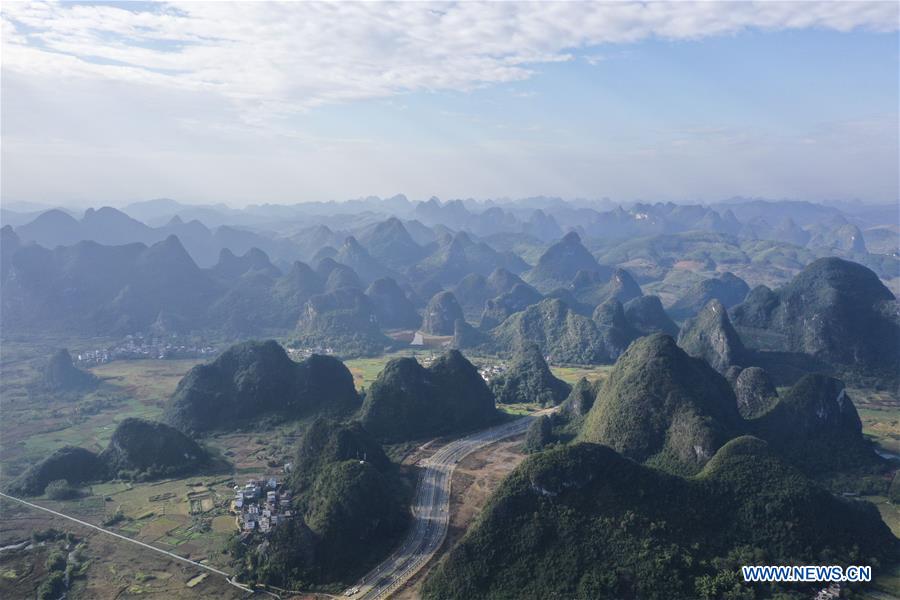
<point x="431" y="512"/>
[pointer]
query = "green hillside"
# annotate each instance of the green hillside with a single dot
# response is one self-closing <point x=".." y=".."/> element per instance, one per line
<point x="408" y="401"/>
<point x="257" y="379"/>
<point x="663" y="407"/>
<point x="583" y="521"/>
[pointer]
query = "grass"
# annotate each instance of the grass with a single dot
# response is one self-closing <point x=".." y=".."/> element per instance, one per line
<point x="34" y="425"/>
<point x="150" y="381"/>
<point x="890" y="513"/>
<point x="198" y="579"/>
<point x="519" y="409"/>
<point x="32" y="428"/>
<point x="884" y="583"/>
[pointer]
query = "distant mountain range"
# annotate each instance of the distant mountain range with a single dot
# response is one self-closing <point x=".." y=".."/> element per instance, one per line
<point x="339" y="276"/>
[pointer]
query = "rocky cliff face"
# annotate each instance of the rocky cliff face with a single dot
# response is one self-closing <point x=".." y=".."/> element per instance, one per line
<point x="441" y="313"/>
<point x="710" y="336"/>
<point x="755" y="392"/>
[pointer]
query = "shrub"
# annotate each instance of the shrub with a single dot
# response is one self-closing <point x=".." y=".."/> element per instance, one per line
<point x="56" y="561"/>
<point x="52" y="587"/>
<point x="43" y="535"/>
<point x="61" y="490"/>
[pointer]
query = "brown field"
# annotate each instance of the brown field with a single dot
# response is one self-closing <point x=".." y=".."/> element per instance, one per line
<point x="158" y="513"/>
<point x="190" y="516"/>
<point x="115" y="569"/>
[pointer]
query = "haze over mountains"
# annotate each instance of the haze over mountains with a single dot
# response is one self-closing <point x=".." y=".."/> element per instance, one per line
<point x="227" y="371"/>
<point x="731" y="346"/>
<point x="498" y="274"/>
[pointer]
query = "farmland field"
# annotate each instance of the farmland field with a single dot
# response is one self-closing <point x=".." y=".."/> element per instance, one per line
<point x="191" y="516"/>
<point x="880" y="415"/>
<point x="571" y="374"/>
<point x="34" y="424"/>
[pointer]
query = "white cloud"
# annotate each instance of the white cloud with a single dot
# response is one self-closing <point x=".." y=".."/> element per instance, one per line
<point x="275" y="59"/>
<point x="114" y="103"/>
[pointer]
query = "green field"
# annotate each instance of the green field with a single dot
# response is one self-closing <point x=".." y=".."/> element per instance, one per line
<point x="168" y="513"/>
<point x="34" y="424"/>
<point x="880" y="415"/>
<point x="190" y="515"/>
<point x="572" y="375"/>
<point x="365" y="370"/>
<point x="520" y="409"/>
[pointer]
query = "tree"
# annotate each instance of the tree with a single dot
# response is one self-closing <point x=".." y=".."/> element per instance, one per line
<point x="61" y="490"/>
<point x="540" y="433"/>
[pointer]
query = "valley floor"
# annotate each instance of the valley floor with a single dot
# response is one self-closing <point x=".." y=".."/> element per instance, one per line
<point x="189" y="516"/>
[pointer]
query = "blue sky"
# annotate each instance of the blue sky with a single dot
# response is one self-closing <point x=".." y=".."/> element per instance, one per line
<point x="258" y="103"/>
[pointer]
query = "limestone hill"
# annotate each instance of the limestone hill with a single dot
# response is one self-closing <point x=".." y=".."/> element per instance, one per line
<point x="61" y="375"/>
<point x="562" y="261"/>
<point x="663" y="407"/>
<point x="343" y="320"/>
<point x="140" y="449"/>
<point x="441" y="313"/>
<point x="582" y="521"/>
<point x="711" y="336"/>
<point x="727" y="288"/>
<point x="528" y="379"/>
<point x="408" y="401"/>
<point x="558" y="331"/>
<point x="834" y="310"/>
<point x="257" y="379"/>
<point x="647" y="315"/>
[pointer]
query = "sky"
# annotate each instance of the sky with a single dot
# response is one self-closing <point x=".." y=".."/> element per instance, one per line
<point x="110" y="103"/>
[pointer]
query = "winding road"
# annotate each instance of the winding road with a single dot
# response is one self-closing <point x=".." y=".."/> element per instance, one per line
<point x="431" y="513"/>
<point x="431" y="517"/>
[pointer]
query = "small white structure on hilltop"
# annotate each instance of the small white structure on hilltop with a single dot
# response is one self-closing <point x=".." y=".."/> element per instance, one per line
<point x="417" y="340"/>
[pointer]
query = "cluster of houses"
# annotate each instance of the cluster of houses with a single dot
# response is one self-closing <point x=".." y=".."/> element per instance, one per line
<point x="301" y="353"/>
<point x="140" y="346"/>
<point x="261" y="505"/>
<point x="488" y="372"/>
